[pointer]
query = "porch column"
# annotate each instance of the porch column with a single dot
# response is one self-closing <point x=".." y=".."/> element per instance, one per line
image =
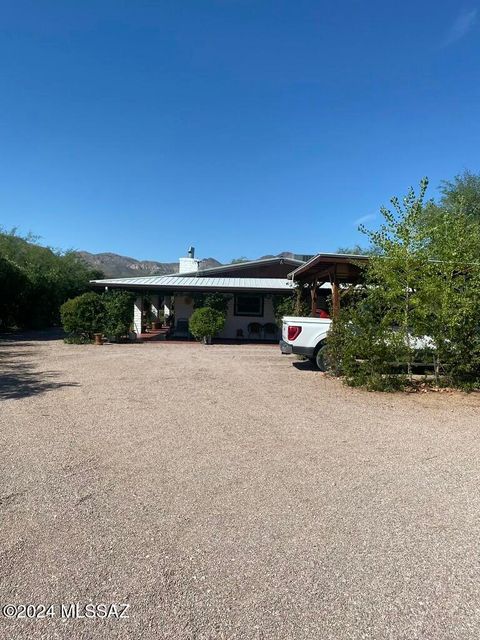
<point x="137" y="315"/>
<point x="155" y="299"/>
<point x="167" y="306"/>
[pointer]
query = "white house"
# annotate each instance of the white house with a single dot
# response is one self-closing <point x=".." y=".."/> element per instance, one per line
<point x="249" y="286"/>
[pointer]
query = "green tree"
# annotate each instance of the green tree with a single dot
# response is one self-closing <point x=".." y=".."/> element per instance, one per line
<point x="378" y="332"/>
<point x="50" y="278"/>
<point x="356" y="250"/>
<point x="205" y="323"/>
<point x="461" y="193"/>
<point x="84" y="316"/>
<point x="452" y="285"/>
<point x="13" y="284"/>
<point x="118" y="307"/>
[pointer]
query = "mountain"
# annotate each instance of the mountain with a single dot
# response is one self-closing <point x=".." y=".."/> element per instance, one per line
<point x="116" y="266"/>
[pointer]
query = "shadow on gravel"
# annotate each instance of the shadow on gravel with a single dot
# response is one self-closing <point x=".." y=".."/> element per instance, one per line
<point x="19" y="377"/>
<point x="32" y="336"/>
<point x="304" y="365"/>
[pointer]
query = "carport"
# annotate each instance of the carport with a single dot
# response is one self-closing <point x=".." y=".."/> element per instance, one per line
<point x="337" y="269"/>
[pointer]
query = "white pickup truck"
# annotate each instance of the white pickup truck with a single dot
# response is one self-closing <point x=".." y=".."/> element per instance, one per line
<point x="305" y="337"/>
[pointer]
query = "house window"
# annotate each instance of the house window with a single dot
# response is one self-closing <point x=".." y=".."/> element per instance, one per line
<point x="249" y="305"/>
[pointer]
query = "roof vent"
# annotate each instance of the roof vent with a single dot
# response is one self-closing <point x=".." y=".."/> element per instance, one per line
<point x="191" y="252"/>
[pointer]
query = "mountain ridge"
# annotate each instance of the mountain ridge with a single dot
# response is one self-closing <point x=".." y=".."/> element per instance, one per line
<point x="114" y="265"/>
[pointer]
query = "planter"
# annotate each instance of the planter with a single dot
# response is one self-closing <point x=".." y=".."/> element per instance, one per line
<point x="156" y="326"/>
<point x="207" y="340"/>
<point x="98" y="338"/>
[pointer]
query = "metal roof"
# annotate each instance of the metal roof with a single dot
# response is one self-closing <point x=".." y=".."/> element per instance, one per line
<point x="242" y="265"/>
<point x="188" y="282"/>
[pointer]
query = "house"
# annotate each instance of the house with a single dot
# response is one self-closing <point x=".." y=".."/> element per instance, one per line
<point x="249" y="287"/>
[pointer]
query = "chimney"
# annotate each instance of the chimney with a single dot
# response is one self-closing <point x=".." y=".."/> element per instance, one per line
<point x="188" y="264"/>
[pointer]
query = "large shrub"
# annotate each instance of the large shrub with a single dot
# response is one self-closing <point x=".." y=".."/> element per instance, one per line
<point x="420" y="301"/>
<point x="118" y="313"/>
<point x="84" y="315"/>
<point x="206" y="323"/>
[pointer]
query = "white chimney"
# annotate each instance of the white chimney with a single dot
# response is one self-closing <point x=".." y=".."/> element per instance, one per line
<point x="188" y="264"/>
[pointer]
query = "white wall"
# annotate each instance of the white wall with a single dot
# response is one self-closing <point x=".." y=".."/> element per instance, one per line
<point x="234" y="322"/>
<point x="184" y="309"/>
<point x="183" y="306"/>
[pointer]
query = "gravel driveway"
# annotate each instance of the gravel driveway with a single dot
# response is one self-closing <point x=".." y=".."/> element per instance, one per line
<point x="231" y="492"/>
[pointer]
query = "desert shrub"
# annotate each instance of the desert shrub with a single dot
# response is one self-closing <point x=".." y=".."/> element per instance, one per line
<point x="206" y="322"/>
<point x="84" y="315"/>
<point x="118" y="307"/>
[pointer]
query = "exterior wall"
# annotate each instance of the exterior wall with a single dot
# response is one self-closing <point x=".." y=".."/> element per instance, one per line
<point x="184" y="309"/>
<point x="234" y="323"/>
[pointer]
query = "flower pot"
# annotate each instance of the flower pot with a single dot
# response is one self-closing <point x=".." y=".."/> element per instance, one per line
<point x="207" y="340"/>
<point x="98" y="338"/>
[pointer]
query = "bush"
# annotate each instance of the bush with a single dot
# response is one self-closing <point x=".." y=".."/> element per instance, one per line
<point x="84" y="315"/>
<point x="118" y="313"/>
<point x="206" y="323"/>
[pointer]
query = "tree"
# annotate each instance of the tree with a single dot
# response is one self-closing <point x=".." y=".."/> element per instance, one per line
<point x="376" y="336"/>
<point x="50" y="278"/>
<point x="239" y="260"/>
<point x="118" y="307"/>
<point x="13" y="283"/>
<point x="84" y="316"/>
<point x="356" y="250"/>
<point x="205" y="323"/>
<point x="452" y="286"/>
<point x="420" y="300"/>
<point x="461" y="192"/>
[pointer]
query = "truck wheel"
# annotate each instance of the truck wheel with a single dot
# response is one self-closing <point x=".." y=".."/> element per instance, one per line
<point x="319" y="358"/>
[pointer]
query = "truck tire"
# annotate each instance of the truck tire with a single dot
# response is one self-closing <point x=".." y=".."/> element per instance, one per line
<point x="319" y="357"/>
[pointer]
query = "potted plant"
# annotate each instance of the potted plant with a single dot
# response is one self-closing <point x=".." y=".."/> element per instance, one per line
<point x="205" y="323"/>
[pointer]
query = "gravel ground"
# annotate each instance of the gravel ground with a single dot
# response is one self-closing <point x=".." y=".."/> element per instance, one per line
<point x="231" y="492"/>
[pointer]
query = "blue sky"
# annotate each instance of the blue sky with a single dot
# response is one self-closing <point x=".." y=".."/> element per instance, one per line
<point x="244" y="127"/>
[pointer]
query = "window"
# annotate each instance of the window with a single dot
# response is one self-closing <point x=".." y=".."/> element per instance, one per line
<point x="248" y="305"/>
